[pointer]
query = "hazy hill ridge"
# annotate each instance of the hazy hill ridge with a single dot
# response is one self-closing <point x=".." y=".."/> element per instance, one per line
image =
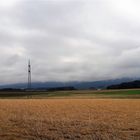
<point x="77" y="85"/>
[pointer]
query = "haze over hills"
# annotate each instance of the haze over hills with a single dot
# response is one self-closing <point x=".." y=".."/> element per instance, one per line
<point x="78" y="85"/>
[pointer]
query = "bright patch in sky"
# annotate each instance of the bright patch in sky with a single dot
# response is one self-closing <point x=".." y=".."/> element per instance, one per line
<point x="128" y="8"/>
<point x="8" y="3"/>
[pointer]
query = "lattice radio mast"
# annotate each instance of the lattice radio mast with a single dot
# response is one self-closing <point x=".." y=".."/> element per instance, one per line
<point x="29" y="75"/>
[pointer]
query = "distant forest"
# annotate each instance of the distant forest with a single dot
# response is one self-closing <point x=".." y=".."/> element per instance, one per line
<point x="126" y="85"/>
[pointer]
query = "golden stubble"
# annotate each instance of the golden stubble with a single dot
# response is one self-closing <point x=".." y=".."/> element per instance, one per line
<point x="73" y="119"/>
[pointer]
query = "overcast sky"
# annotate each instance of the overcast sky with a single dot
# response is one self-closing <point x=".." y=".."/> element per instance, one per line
<point x="69" y="40"/>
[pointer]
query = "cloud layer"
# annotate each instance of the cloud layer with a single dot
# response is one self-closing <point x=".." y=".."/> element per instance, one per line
<point x="69" y="40"/>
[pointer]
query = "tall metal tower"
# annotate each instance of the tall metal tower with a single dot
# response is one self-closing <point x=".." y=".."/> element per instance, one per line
<point x="29" y="75"/>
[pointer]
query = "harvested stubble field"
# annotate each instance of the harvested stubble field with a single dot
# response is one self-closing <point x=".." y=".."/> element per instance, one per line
<point x="70" y="119"/>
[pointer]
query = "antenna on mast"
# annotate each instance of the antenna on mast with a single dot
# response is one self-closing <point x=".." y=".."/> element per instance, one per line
<point x="29" y="75"/>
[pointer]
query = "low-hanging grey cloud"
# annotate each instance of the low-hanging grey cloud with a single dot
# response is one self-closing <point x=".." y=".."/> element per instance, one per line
<point x="69" y="40"/>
